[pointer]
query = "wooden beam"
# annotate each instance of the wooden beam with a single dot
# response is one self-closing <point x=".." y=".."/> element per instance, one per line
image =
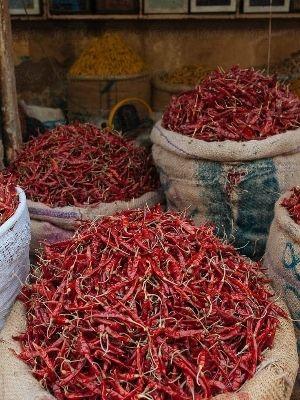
<point x="12" y="127"/>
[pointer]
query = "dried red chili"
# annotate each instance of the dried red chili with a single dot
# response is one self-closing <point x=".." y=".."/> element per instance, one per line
<point x="144" y="303"/>
<point x="239" y="105"/>
<point x="292" y="204"/>
<point x="9" y="199"/>
<point x="79" y="164"/>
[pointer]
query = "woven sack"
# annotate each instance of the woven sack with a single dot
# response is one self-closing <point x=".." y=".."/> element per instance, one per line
<point x="14" y="256"/>
<point x="231" y="184"/>
<point x="282" y="260"/>
<point x="92" y="96"/>
<point x="273" y="380"/>
<point x="53" y="224"/>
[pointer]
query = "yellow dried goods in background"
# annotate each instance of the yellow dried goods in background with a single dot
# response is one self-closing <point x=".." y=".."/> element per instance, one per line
<point x="106" y="73"/>
<point x="167" y="84"/>
<point x="186" y="75"/>
<point x="108" y="56"/>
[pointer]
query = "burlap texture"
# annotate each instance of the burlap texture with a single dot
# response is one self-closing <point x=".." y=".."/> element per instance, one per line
<point x="16" y="381"/>
<point x="234" y="185"/>
<point x="52" y="224"/>
<point x="95" y="96"/>
<point x="282" y="260"/>
<point x="273" y="380"/>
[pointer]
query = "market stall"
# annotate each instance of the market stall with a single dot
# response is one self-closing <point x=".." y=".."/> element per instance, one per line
<point x="149" y="200"/>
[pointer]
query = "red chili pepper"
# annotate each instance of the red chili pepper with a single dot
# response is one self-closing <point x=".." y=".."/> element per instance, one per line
<point x="145" y="304"/>
<point x="239" y="104"/>
<point x="79" y="165"/>
<point x="8" y="199"/>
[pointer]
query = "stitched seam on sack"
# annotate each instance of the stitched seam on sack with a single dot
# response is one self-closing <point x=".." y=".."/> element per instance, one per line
<point x="293" y="151"/>
<point x="133" y="203"/>
<point x="51" y="214"/>
<point x="72" y="214"/>
<point x="172" y="144"/>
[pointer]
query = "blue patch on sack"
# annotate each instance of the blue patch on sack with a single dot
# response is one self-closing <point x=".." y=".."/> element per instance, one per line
<point x="290" y="259"/>
<point x="214" y="196"/>
<point x="256" y="188"/>
<point x="259" y="190"/>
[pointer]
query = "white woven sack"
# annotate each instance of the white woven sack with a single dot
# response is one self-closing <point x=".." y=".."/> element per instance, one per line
<point x="231" y="184"/>
<point x="273" y="380"/>
<point x="14" y="256"/>
<point x="53" y="224"/>
<point x="282" y="260"/>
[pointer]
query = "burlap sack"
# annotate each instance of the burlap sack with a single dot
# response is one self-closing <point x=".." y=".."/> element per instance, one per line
<point x="49" y="225"/>
<point x="90" y="96"/>
<point x="273" y="380"/>
<point x="282" y="260"/>
<point x="231" y="184"/>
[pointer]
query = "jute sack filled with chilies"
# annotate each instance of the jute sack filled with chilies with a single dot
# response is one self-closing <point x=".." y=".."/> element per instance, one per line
<point x="273" y="380"/>
<point x="53" y="224"/>
<point x="232" y="184"/>
<point x="282" y="260"/>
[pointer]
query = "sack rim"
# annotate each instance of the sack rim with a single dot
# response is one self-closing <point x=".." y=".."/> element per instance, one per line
<point x="32" y="203"/>
<point x="228" y="150"/>
<point x="143" y="74"/>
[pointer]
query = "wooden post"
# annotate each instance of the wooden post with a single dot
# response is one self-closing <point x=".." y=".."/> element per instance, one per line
<point x="12" y="129"/>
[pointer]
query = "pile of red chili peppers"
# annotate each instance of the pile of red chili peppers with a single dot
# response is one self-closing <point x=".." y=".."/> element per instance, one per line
<point x="9" y="199"/>
<point x="79" y="164"/>
<point x="144" y="305"/>
<point x="239" y="105"/>
<point x="292" y="204"/>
